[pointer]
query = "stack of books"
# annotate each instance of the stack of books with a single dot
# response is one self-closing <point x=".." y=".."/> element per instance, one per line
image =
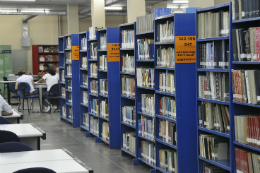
<point x="64" y="113"/>
<point x="128" y="63"/>
<point x="68" y="57"/>
<point x="168" y="160"/>
<point x="94" y="106"/>
<point x="85" y="98"/>
<point x="69" y="70"/>
<point x="86" y="119"/>
<point x="165" y="57"/>
<point x="93" y="50"/>
<point x="70" y="84"/>
<point x="128" y="113"/>
<point x="105" y="131"/>
<point x="145" y="77"/>
<point x="62" y="76"/>
<point x="85" y="80"/>
<point x="211" y="168"/>
<point x="103" y="86"/>
<point x="128" y="86"/>
<point x="103" y="41"/>
<point x="245" y="9"/>
<point x="167" y="82"/>
<point x="70" y="98"/>
<point x="83" y="43"/>
<point x="94" y="125"/>
<point x="103" y="62"/>
<point x="84" y="62"/>
<point x="168" y="107"/>
<point x="148" y="104"/>
<point x="144" y="23"/>
<point x="145" y="49"/>
<point x="104" y="109"/>
<point x="167" y="132"/>
<point x="70" y="113"/>
<point x="128" y="38"/>
<point x="68" y="43"/>
<point x="129" y="139"/>
<point x="165" y="32"/>
<point x="93" y="69"/>
<point x="94" y="87"/>
<point x="148" y="152"/>
<point x="146" y="127"/>
<point x="63" y="92"/>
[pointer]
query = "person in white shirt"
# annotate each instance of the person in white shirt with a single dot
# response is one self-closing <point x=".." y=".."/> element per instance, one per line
<point x="51" y="79"/>
<point x="28" y="79"/>
<point x="5" y="108"/>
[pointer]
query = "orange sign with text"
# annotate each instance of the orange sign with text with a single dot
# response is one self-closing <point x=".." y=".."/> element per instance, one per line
<point x="75" y="53"/>
<point x="185" y="49"/>
<point x="113" y="54"/>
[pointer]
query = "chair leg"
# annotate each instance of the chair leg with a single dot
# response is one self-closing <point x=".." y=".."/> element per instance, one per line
<point x="28" y="106"/>
<point x="19" y="104"/>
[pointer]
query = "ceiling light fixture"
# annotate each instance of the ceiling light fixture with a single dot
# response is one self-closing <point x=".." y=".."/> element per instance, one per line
<point x="8" y="11"/>
<point x="184" y="7"/>
<point x="173" y="7"/>
<point x="35" y="11"/>
<point x="180" y="2"/>
<point x="113" y="8"/>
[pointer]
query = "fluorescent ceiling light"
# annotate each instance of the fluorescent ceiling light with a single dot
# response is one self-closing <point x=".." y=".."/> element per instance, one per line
<point x="8" y="11"/>
<point x="180" y="2"/>
<point x="113" y="8"/>
<point x="184" y="7"/>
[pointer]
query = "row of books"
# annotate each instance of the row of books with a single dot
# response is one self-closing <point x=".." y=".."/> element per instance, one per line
<point x="70" y="113"/>
<point x="145" y="77"/>
<point x="94" y="106"/>
<point x="128" y="115"/>
<point x="128" y="86"/>
<point x="86" y="119"/>
<point x="83" y="43"/>
<point x="167" y="132"/>
<point x="144" y="23"/>
<point x="48" y="58"/>
<point x="148" y="152"/>
<point x="165" y="57"/>
<point x="68" y="43"/>
<point x="105" y="131"/>
<point x="85" y="98"/>
<point x="145" y="49"/>
<point x="127" y="39"/>
<point x="214" y="116"/>
<point x="70" y="98"/>
<point x="213" y="147"/>
<point x="62" y="76"/>
<point x="167" y="82"/>
<point x="93" y="69"/>
<point x="103" y="86"/>
<point x="92" y="33"/>
<point x="84" y="62"/>
<point x="213" y="24"/>
<point x="214" y="86"/>
<point x="94" y="125"/>
<point x="245" y="9"/>
<point x="148" y="104"/>
<point x="214" y="55"/>
<point x="168" y="107"/>
<point x="63" y="92"/>
<point x="128" y="63"/>
<point x="246" y="161"/>
<point x="104" y="109"/>
<point x="70" y="84"/>
<point x="68" y="57"/>
<point x="69" y="70"/>
<point x="103" y="41"/>
<point x="103" y="62"/>
<point x="246" y="44"/>
<point x="93" y="50"/>
<point x="85" y="80"/>
<point x="47" y="49"/>
<point x="246" y="86"/>
<point x="209" y="168"/>
<point x="168" y="160"/>
<point x="129" y="139"/>
<point x="146" y="127"/>
<point x="165" y="32"/>
<point x="64" y="111"/>
<point x="247" y="129"/>
<point x="94" y="87"/>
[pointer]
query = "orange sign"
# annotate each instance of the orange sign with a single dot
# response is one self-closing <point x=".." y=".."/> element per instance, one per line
<point x="113" y="54"/>
<point x="185" y="49"/>
<point x="75" y="53"/>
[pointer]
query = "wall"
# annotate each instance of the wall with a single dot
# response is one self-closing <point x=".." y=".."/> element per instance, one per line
<point x="221" y="1"/>
<point x="42" y="30"/>
<point x="206" y="3"/>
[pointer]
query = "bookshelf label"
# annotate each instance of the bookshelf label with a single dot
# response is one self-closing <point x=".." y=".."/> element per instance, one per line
<point x="113" y="54"/>
<point x="185" y="49"/>
<point x="75" y="53"/>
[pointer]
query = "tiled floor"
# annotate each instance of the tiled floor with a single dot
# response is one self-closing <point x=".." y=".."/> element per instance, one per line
<point x="96" y="155"/>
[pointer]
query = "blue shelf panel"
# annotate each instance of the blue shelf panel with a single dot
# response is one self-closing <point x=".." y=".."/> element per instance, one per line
<point x="106" y="96"/>
<point x="127" y="73"/>
<point x="129" y="125"/>
<point x="143" y="33"/>
<point x="127" y="24"/>
<point x="146" y="162"/>
<point x="146" y="139"/>
<point x="84" y="87"/>
<point x="83" y="69"/>
<point x="104" y="71"/>
<point x="165" y="43"/>
<point x="150" y="60"/>
<point x="246" y="20"/>
<point x="213" y="101"/>
<point x="165" y="118"/>
<point x="82" y="104"/>
<point x="93" y="115"/>
<point x="61" y="67"/>
<point x="69" y="104"/>
<point x="130" y="98"/>
<point x="226" y="135"/>
<point x="92" y="77"/>
<point x="83" y="51"/>
<point x="107" y="119"/>
<point x="127" y="48"/>
<point x="128" y="152"/>
<point x="102" y="50"/>
<point x="214" y="7"/>
<point x="225" y="164"/>
<point x="214" y="70"/>
<point x="84" y="127"/>
<point x="104" y="140"/>
<point x="247" y="146"/>
<point x="63" y="98"/>
<point x="245" y="63"/>
<point x="93" y="95"/>
<point x="164" y="93"/>
<point x="146" y="88"/>
<point x="246" y="104"/>
<point x="140" y="113"/>
<point x="69" y="77"/>
<point x="167" y="144"/>
<point x="213" y="39"/>
<point x="164" y="68"/>
<point x="69" y="91"/>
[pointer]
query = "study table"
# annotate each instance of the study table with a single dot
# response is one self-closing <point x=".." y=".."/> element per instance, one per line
<point x="15" y="118"/>
<point x="58" y="160"/>
<point x="29" y="134"/>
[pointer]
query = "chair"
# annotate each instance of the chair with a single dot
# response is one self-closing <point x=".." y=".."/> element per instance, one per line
<point x="25" y="88"/>
<point x="35" y="170"/>
<point x="7" y="136"/>
<point x="54" y="99"/>
<point x="9" y="147"/>
<point x="4" y="121"/>
<point x="5" y="85"/>
<point x="14" y="91"/>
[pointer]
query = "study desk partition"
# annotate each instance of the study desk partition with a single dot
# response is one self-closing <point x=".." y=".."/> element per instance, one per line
<point x="15" y="118"/>
<point x="8" y="91"/>
<point x="59" y="160"/>
<point x="29" y="134"/>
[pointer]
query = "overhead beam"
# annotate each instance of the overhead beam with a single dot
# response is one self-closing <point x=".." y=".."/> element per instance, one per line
<point x="25" y="19"/>
<point x="35" y="14"/>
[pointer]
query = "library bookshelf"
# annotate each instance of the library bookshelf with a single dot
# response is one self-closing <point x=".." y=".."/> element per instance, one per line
<point x="68" y="67"/>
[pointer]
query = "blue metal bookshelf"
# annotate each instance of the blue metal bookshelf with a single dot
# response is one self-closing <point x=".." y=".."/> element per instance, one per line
<point x="113" y="76"/>
<point x="224" y="164"/>
<point x="73" y="78"/>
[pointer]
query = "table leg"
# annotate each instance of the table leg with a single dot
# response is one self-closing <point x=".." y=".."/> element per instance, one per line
<point x="8" y="95"/>
<point x="40" y="94"/>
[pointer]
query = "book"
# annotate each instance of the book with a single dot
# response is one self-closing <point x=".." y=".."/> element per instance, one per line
<point x="103" y="62"/>
<point x="128" y="86"/>
<point x="93" y="70"/>
<point x="167" y="82"/>
<point x="147" y="127"/>
<point x="93" y="50"/>
<point x="70" y="98"/>
<point x="104" y="109"/>
<point x="168" y="107"/>
<point x="128" y="115"/>
<point x="69" y="70"/>
<point x="145" y="49"/>
<point x="103" y="41"/>
<point x="85" y="79"/>
<point x="167" y="160"/>
<point x="84" y="62"/>
<point x="68" y="43"/>
<point x="103" y="86"/>
<point x="68" y="57"/>
<point x="148" y="152"/>
<point x="245" y="9"/>
<point x="127" y="38"/>
<point x="94" y="106"/>
<point x="86" y="119"/>
<point x="158" y="12"/>
<point x="105" y="131"/>
<point x="64" y="113"/>
<point x="128" y="63"/>
<point x="209" y="168"/>
<point x="70" y="113"/>
<point x="167" y="132"/>
<point x="83" y="43"/>
<point x="70" y="84"/>
<point x="145" y="77"/>
<point x="165" y="57"/>
<point x="85" y="98"/>
<point x="144" y="23"/>
<point x="94" y="125"/>
<point x="148" y="104"/>
<point x="62" y="76"/>
<point x="63" y="92"/>
<point x="129" y="139"/>
<point x="165" y="31"/>
<point x="92" y="32"/>
<point x="40" y="49"/>
<point x="94" y="87"/>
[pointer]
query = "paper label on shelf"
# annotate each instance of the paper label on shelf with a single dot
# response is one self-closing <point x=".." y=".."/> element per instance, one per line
<point x="75" y="53"/>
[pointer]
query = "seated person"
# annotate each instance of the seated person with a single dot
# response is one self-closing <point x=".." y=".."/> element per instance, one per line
<point x="28" y="79"/>
<point x="5" y="108"/>
<point x="45" y="69"/>
<point x="51" y="79"/>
